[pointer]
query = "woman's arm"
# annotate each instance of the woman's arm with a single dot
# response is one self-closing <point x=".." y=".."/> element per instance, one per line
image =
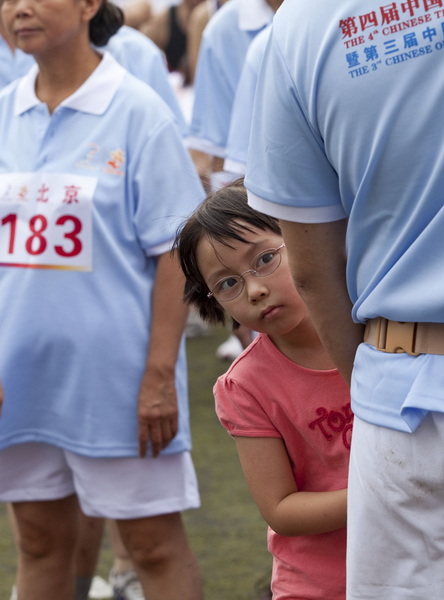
<point x="157" y="410"/>
<point x="267" y="471"/>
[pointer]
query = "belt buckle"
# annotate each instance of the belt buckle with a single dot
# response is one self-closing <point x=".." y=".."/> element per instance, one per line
<point x="400" y="337"/>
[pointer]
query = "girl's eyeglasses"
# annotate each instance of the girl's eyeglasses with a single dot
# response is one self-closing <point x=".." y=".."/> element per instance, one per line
<point x="263" y="264"/>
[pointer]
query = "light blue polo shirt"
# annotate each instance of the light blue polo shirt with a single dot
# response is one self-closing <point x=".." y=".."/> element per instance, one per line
<point x="347" y="124"/>
<point x="12" y="64"/>
<point x="240" y="125"/>
<point x="222" y="52"/>
<point x="89" y="197"/>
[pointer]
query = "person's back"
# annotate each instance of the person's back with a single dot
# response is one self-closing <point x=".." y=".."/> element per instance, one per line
<point x="349" y="141"/>
<point x="236" y="151"/>
<point x="362" y="94"/>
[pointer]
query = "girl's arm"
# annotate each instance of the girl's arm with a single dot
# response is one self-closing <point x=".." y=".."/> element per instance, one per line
<point x="157" y="410"/>
<point x="267" y="471"/>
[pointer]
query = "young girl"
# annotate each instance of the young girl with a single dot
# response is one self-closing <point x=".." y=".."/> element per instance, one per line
<point x="282" y="400"/>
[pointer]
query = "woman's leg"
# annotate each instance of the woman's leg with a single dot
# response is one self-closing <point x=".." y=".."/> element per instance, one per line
<point x="122" y="561"/>
<point x="87" y="554"/>
<point x="123" y="576"/>
<point x="46" y="537"/>
<point x="159" y="549"/>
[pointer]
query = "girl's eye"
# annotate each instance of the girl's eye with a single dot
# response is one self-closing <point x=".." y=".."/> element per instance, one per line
<point x="265" y="260"/>
<point x="226" y="284"/>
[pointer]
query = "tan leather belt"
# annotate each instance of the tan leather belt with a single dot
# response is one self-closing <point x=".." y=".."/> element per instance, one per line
<point x="413" y="338"/>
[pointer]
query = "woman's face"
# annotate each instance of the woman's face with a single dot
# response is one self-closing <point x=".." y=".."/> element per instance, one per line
<point x="41" y="26"/>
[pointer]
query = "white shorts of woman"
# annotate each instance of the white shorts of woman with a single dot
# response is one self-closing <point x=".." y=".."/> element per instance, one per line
<point x="115" y="488"/>
<point x="395" y="547"/>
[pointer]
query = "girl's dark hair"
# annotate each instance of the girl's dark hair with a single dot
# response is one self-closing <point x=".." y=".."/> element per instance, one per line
<point x="223" y="216"/>
<point x="105" y="23"/>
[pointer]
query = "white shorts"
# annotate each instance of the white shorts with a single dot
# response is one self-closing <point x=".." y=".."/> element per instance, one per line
<point x="116" y="488"/>
<point x="395" y="547"/>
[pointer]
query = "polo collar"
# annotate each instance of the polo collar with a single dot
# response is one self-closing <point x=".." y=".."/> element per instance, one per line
<point x="254" y="14"/>
<point x="93" y="96"/>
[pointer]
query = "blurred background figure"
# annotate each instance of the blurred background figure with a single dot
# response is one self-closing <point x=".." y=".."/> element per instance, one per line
<point x="169" y="29"/>
<point x="136" y="12"/>
<point x="13" y="62"/>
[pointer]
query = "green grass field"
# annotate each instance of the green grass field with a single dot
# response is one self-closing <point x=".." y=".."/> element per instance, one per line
<point x="227" y="532"/>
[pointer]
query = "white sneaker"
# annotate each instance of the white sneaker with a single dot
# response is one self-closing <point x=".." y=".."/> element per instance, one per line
<point x="13" y="593"/>
<point x="100" y="589"/>
<point x="230" y="349"/>
<point x="126" y="586"/>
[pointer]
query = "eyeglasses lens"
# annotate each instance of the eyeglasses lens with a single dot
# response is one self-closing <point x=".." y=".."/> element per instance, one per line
<point x="262" y="265"/>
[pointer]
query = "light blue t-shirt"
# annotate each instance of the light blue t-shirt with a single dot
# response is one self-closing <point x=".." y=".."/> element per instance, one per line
<point x="89" y="197"/>
<point x="347" y="124"/>
<point x="240" y="125"/>
<point x="12" y="64"/>
<point x="224" y="45"/>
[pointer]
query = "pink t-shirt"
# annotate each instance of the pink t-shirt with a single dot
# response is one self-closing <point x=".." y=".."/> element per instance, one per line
<point x="264" y="394"/>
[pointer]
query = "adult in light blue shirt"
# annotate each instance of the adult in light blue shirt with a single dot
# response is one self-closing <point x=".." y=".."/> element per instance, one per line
<point x="224" y="45"/>
<point x="100" y="150"/>
<point x="346" y="150"/>
<point x="94" y="180"/>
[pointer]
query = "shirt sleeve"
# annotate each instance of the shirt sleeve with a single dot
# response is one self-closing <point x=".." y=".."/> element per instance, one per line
<point x="240" y="412"/>
<point x="213" y="99"/>
<point x="166" y="188"/>
<point x="287" y="164"/>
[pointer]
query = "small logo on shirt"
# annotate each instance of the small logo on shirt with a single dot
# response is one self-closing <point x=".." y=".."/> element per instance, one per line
<point x="89" y="160"/>
<point x="115" y="163"/>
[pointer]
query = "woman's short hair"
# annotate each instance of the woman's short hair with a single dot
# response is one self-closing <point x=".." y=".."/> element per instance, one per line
<point x="223" y="216"/>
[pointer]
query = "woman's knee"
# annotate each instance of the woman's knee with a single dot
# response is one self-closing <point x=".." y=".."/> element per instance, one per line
<point x="41" y="532"/>
<point x="153" y="542"/>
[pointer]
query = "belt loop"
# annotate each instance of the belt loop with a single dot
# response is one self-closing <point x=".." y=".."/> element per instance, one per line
<point x="381" y="334"/>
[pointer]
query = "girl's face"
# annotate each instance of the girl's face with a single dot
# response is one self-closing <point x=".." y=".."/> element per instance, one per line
<point x="267" y="304"/>
<point x="41" y="26"/>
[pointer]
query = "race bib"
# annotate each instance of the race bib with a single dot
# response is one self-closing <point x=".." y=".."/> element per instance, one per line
<point x="46" y="221"/>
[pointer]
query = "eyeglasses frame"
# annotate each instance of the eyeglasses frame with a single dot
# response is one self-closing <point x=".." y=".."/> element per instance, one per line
<point x="210" y="294"/>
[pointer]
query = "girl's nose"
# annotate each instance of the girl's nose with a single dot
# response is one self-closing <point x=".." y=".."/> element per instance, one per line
<point x="256" y="287"/>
